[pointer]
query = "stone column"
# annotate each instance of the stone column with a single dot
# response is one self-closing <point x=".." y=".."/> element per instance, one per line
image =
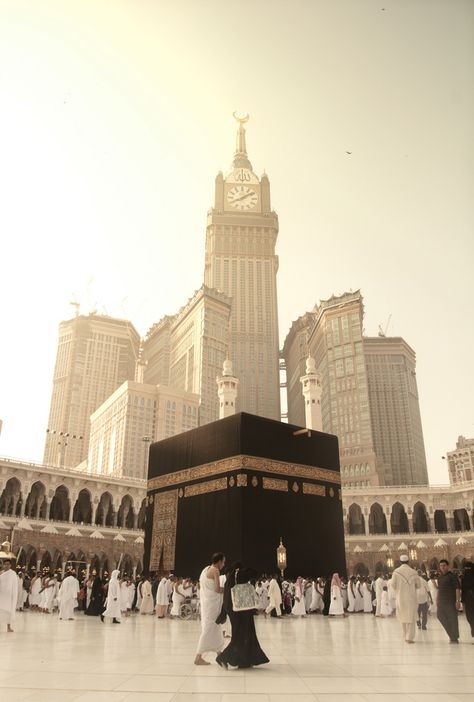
<point x="48" y="510"/>
<point x="450" y="519"/>
<point x="135" y="520"/>
<point x="388" y="516"/>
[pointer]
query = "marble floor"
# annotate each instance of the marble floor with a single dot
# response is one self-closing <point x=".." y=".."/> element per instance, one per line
<point x="316" y="659"/>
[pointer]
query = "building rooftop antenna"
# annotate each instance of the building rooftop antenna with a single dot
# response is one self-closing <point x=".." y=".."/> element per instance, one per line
<point x="77" y="306"/>
<point x="383" y="332"/>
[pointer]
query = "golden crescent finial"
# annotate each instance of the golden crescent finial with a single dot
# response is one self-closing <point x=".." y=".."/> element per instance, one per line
<point x="241" y="120"/>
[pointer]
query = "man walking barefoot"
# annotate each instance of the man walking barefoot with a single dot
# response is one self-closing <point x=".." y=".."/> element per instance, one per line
<point x="8" y="594"/>
<point x="212" y="638"/>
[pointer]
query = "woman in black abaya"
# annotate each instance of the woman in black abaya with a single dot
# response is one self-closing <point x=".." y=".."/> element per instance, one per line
<point x="243" y="650"/>
<point x="96" y="604"/>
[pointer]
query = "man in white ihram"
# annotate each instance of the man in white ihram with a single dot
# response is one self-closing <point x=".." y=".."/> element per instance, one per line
<point x="212" y="638"/>
<point x="67" y="596"/>
<point x="378" y="585"/>
<point x="405" y="583"/>
<point x="162" y="598"/>
<point x="274" y="597"/>
<point x="8" y="594"/>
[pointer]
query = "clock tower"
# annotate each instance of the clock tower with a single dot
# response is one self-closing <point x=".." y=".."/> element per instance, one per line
<point x="240" y="261"/>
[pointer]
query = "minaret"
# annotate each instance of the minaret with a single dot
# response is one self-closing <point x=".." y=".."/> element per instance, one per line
<point x="311" y="383"/>
<point x="140" y="365"/>
<point x="227" y="385"/>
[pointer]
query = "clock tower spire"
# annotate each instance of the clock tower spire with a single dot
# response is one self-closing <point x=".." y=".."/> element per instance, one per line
<point x="240" y="157"/>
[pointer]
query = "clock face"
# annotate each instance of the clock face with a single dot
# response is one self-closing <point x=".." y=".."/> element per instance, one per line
<point x="240" y="197"/>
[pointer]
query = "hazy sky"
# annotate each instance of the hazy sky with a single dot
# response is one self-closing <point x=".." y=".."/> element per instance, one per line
<point x="116" y="117"/>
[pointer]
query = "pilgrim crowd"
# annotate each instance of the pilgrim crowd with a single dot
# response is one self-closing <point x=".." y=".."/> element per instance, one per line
<point x="416" y="599"/>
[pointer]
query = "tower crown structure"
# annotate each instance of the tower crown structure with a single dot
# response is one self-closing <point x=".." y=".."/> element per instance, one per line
<point x="240" y="157"/>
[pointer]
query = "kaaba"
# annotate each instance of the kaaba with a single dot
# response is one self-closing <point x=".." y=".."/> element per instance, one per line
<point x="237" y="485"/>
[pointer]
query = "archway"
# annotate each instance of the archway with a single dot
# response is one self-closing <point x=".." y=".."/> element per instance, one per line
<point x="57" y="562"/>
<point x="126" y="565"/>
<point x="82" y="512"/>
<point x="461" y="520"/>
<point x="142" y="515"/>
<point x="440" y="523"/>
<point x="356" y="521"/>
<point x="11" y="498"/>
<point x="434" y="565"/>
<point x="46" y="561"/>
<point x="60" y="505"/>
<point x="26" y="557"/>
<point x="126" y="515"/>
<point x="458" y="562"/>
<point x="81" y="564"/>
<point x="36" y="501"/>
<point x="377" y="520"/>
<point x="420" y="518"/>
<point x="105" y="510"/>
<point x="360" y="569"/>
<point x="399" y="519"/>
<point x="381" y="567"/>
<point x="31" y="561"/>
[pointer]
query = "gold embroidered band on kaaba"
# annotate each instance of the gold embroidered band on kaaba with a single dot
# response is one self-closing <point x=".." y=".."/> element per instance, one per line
<point x="261" y="465"/>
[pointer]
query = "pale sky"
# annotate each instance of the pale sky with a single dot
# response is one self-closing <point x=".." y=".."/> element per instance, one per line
<point x="116" y="116"/>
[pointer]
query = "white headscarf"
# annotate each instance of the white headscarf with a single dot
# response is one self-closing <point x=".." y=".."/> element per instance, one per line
<point x="115" y="575"/>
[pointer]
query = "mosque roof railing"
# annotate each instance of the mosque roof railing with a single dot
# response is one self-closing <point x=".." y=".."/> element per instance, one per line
<point x="71" y="472"/>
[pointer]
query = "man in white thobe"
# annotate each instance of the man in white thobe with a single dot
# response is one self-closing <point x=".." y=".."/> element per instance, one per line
<point x="67" y="596"/>
<point x="274" y="597"/>
<point x="405" y="583"/>
<point x="212" y="638"/>
<point x="8" y="594"/>
<point x="112" y="609"/>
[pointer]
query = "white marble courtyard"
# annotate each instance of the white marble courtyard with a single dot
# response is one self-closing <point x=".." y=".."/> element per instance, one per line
<point x="358" y="659"/>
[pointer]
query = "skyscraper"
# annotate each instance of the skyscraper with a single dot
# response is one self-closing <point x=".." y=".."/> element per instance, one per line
<point x="187" y="350"/>
<point x="395" y="410"/>
<point x="461" y="461"/>
<point x="134" y="416"/>
<point x="240" y="261"/>
<point x="95" y="355"/>
<point x="369" y="393"/>
<point x="335" y="342"/>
